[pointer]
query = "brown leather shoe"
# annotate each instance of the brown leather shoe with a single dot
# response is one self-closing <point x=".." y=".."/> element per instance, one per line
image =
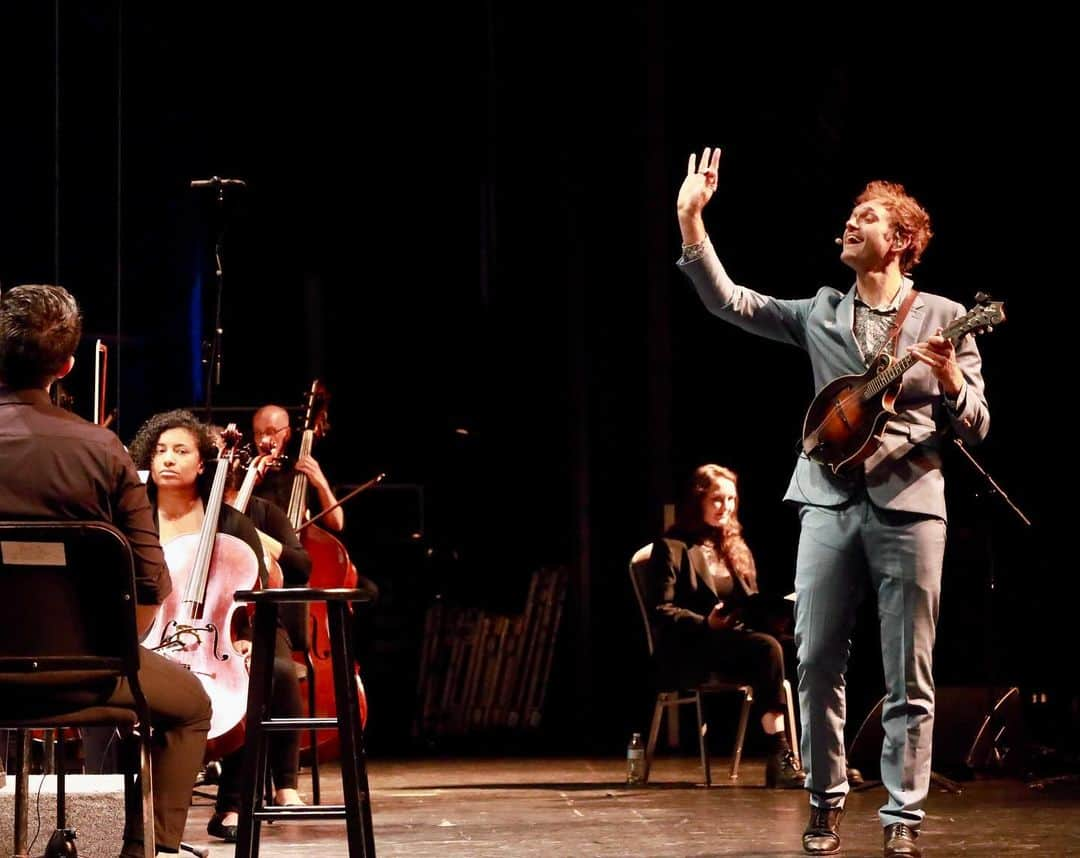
<point x="900" y="841"/>
<point x="822" y="835"/>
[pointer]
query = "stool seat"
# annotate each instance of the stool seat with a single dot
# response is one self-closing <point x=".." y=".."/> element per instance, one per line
<point x="356" y="810"/>
<point x="303" y="594"/>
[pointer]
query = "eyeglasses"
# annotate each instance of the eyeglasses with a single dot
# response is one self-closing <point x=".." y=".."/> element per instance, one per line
<point x="271" y="433"/>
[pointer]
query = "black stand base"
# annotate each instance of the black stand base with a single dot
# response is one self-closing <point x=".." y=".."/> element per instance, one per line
<point x="61" y="844"/>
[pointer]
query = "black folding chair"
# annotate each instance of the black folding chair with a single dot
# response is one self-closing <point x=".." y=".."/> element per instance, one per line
<point x="67" y="634"/>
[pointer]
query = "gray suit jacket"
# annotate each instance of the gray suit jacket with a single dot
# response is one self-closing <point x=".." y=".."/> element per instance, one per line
<point x="904" y="473"/>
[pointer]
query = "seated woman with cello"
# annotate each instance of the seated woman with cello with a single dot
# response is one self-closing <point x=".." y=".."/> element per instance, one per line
<point x="179" y="452"/>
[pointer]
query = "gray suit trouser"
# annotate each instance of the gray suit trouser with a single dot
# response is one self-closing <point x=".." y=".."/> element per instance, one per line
<point x="899" y="555"/>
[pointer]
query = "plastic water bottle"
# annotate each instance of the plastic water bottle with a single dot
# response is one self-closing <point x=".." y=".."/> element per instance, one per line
<point x="635" y="761"/>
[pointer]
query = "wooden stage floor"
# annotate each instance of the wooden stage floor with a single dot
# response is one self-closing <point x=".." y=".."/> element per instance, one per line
<point x="578" y="808"/>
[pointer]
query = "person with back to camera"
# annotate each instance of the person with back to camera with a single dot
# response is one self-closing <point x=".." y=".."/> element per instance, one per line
<point x="56" y="466"/>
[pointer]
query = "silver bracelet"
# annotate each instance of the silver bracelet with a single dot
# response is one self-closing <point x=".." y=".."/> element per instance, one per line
<point x="692" y="252"/>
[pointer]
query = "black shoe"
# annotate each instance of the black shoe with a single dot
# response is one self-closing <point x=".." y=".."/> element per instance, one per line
<point x="900" y="841"/>
<point x="782" y="772"/>
<point x="226" y="832"/>
<point x="822" y="835"/>
<point x="132" y="849"/>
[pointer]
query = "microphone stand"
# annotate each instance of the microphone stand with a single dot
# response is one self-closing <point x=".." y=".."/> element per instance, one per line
<point x="994" y="487"/>
<point x="212" y="350"/>
<point x="991" y="584"/>
<point x="990" y="660"/>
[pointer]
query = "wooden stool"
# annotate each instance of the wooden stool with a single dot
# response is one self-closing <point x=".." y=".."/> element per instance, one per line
<point x="356" y="811"/>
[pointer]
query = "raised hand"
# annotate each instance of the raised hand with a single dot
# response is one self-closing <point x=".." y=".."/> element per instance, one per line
<point x="700" y="183"/>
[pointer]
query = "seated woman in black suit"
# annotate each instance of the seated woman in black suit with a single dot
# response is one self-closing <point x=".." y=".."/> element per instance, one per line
<point x="702" y="574"/>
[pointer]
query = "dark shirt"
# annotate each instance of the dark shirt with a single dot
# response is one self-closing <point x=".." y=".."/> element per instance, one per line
<point x="56" y="466"/>
<point x="276" y="487"/>
<point x="295" y="565"/>
<point x="270" y="519"/>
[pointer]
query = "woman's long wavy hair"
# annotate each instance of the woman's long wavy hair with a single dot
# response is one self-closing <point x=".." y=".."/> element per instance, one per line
<point x="690" y="523"/>
<point x="145" y="442"/>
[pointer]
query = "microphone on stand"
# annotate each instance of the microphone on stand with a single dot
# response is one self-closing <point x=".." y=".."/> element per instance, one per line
<point x="216" y="181"/>
<point x="836" y="240"/>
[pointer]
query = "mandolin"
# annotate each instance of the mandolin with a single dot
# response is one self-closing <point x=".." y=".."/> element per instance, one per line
<point x="843" y="424"/>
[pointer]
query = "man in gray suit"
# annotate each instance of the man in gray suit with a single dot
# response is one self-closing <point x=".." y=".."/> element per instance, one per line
<point x="880" y="523"/>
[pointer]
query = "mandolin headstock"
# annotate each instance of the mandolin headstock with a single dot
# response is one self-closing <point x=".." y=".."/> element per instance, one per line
<point x="980" y="319"/>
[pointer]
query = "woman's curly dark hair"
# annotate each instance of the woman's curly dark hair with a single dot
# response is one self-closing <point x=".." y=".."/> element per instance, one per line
<point x="145" y="442"/>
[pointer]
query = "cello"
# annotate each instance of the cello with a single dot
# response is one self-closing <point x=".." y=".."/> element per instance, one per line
<point x="195" y="622"/>
<point x="330" y="567"/>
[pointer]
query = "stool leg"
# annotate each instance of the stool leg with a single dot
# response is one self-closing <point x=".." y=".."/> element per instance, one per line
<point x="22" y="788"/>
<point x="254" y="777"/>
<point x="61" y="775"/>
<point x="353" y="761"/>
<point x="312" y="734"/>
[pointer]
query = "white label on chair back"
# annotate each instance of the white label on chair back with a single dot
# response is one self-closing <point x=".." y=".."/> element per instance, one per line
<point x="33" y="553"/>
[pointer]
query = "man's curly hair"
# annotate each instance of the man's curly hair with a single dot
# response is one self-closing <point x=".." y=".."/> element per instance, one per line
<point x="906" y="216"/>
<point x="145" y="442"/>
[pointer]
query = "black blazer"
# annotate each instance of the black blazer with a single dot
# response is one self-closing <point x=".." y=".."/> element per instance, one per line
<point x="682" y="597"/>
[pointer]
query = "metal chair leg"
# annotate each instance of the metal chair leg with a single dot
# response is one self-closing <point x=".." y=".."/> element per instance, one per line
<point x="673" y="722"/>
<point x="146" y="783"/>
<point x="792" y="729"/>
<point x="654" y="730"/>
<point x="702" y="730"/>
<point x="740" y="736"/>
